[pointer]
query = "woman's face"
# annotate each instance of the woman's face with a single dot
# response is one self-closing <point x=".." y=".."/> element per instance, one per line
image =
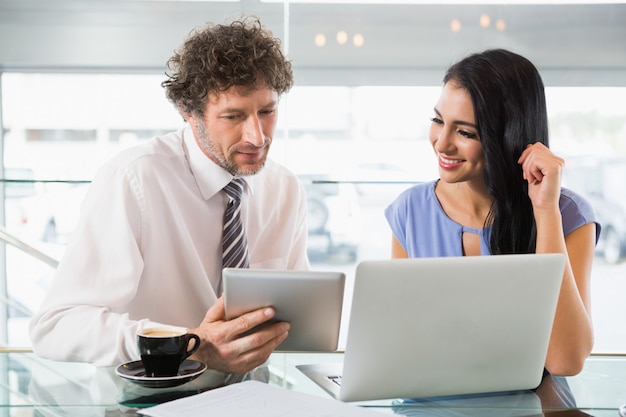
<point x="454" y="137"/>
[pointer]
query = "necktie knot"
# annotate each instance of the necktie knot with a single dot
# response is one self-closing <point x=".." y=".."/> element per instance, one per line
<point x="234" y="189"/>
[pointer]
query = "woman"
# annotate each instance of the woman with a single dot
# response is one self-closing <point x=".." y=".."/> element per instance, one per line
<point x="499" y="190"/>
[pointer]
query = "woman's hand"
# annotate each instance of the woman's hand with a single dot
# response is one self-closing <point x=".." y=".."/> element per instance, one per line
<point x="542" y="169"/>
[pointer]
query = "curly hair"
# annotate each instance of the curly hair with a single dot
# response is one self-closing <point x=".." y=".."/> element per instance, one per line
<point x="215" y="58"/>
<point x="510" y="107"/>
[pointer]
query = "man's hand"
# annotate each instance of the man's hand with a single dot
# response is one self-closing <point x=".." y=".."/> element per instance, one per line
<point x="222" y="347"/>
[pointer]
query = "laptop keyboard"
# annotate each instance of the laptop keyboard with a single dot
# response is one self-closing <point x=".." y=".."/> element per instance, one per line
<point x="335" y="378"/>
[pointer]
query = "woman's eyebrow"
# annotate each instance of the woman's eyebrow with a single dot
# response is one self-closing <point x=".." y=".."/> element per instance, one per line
<point x="457" y="122"/>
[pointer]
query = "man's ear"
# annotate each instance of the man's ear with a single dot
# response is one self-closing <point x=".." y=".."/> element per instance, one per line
<point x="189" y="117"/>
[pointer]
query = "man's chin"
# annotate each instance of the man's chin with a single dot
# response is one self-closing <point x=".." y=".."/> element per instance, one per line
<point x="250" y="169"/>
<point x="248" y="166"/>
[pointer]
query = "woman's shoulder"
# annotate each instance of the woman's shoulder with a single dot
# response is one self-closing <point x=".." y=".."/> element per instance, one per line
<point x="418" y="198"/>
<point x="419" y="192"/>
<point x="571" y="199"/>
<point x="577" y="211"/>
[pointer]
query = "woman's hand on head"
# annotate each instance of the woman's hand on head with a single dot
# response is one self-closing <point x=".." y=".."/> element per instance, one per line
<point x="542" y="169"/>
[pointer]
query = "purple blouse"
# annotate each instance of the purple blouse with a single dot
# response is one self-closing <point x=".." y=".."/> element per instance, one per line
<point x="419" y="223"/>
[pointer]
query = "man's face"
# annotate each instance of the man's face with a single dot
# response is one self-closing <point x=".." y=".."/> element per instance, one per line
<point x="237" y="128"/>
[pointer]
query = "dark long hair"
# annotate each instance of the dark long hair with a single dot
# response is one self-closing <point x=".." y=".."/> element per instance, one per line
<point x="510" y="110"/>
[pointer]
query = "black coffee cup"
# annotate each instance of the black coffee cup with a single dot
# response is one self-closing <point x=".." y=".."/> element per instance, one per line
<point x="163" y="349"/>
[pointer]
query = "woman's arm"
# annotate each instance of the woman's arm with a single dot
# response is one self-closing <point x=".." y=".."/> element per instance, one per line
<point x="397" y="251"/>
<point x="572" y="332"/>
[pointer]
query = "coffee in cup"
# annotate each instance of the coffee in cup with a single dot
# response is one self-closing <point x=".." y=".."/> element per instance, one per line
<point x="164" y="348"/>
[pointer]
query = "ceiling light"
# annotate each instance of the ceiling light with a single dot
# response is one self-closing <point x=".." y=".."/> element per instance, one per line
<point x="342" y="37"/>
<point x="455" y="25"/>
<point x="485" y="21"/>
<point x="320" y="40"/>
<point x="358" y="40"/>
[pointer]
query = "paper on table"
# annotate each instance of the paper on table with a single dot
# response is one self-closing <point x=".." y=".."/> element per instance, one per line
<point x="254" y="398"/>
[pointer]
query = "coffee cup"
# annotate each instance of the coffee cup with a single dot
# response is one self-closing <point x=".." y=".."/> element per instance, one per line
<point x="164" y="348"/>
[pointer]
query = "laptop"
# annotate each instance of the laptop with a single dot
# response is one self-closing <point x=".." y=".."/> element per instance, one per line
<point x="312" y="301"/>
<point x="428" y="327"/>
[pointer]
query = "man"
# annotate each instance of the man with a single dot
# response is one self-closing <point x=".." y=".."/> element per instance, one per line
<point x="148" y="247"/>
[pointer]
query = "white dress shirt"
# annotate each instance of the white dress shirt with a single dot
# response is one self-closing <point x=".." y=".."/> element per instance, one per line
<point x="147" y="248"/>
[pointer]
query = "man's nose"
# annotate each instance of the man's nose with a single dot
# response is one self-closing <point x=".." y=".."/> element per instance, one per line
<point x="253" y="132"/>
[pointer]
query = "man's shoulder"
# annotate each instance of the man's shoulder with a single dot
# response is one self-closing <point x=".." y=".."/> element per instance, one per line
<point x="272" y="165"/>
<point x="158" y="154"/>
<point x="275" y="171"/>
<point x="166" y="146"/>
<point x="274" y="177"/>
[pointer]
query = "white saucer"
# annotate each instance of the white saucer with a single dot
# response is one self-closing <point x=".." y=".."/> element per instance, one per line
<point x="135" y="372"/>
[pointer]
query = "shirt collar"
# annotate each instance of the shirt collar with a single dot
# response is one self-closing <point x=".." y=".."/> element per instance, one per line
<point x="210" y="177"/>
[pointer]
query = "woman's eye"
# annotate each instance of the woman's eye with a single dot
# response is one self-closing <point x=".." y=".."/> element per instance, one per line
<point x="467" y="134"/>
<point x="436" y="120"/>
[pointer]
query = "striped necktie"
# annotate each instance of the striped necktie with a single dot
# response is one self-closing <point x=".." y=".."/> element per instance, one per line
<point x="234" y="243"/>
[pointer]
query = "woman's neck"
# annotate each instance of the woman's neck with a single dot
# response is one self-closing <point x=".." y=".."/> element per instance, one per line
<point x="464" y="203"/>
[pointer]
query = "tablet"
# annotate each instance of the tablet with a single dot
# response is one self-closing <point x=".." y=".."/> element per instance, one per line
<point x="310" y="300"/>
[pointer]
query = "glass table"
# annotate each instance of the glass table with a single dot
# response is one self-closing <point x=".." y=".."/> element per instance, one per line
<point x="31" y="386"/>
